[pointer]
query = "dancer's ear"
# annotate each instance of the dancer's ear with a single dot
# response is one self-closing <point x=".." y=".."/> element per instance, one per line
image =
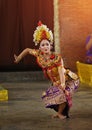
<point x="51" y="47"/>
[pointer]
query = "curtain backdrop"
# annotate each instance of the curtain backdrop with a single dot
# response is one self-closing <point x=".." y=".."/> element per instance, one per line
<point x="18" y="20"/>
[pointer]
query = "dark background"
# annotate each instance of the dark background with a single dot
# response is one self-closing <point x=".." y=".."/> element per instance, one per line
<point x="18" y="20"/>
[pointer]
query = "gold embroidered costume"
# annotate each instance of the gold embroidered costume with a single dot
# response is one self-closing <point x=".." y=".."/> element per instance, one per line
<point x="49" y="66"/>
<point x="54" y="95"/>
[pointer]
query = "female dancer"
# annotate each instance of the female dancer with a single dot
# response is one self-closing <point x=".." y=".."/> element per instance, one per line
<point x="57" y="96"/>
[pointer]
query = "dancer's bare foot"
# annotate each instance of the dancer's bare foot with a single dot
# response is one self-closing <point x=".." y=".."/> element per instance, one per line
<point x="55" y="116"/>
<point x="59" y="116"/>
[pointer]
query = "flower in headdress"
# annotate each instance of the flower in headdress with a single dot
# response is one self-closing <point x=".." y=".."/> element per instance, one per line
<point x="42" y="32"/>
<point x="39" y="23"/>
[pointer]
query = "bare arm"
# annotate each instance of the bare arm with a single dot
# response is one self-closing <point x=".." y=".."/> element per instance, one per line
<point x="61" y="71"/>
<point x="21" y="55"/>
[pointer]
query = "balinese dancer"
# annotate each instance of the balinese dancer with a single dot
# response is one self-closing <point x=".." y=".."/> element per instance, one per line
<point x="63" y="82"/>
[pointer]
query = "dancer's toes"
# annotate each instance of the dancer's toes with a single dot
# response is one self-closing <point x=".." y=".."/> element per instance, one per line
<point x="61" y="117"/>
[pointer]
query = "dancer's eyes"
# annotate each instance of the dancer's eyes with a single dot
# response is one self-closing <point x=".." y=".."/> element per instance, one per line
<point x="42" y="45"/>
<point x="45" y="44"/>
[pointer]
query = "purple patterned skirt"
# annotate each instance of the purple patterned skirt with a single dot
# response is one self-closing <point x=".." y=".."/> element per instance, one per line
<point x="72" y="86"/>
<point x="55" y="96"/>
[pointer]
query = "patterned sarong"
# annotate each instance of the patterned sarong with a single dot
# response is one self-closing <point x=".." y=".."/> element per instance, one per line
<point x="54" y="95"/>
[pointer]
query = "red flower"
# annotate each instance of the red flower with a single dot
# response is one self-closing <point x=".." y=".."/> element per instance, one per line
<point x="52" y="56"/>
<point x="44" y="36"/>
<point x="39" y="23"/>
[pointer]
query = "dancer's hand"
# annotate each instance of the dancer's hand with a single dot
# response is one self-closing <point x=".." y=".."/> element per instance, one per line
<point x="62" y="86"/>
<point x="17" y="59"/>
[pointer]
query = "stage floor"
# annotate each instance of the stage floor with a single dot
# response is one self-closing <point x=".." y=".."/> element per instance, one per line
<point x="25" y="110"/>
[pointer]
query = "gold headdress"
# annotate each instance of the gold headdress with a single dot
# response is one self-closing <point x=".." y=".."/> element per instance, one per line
<point x="42" y="32"/>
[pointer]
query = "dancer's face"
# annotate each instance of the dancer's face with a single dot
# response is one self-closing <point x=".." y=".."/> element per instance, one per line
<point x="45" y="46"/>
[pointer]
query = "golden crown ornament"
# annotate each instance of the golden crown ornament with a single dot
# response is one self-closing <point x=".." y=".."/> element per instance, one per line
<point x="42" y="32"/>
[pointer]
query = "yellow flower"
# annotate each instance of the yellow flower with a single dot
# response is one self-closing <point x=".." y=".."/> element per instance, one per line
<point x="39" y="32"/>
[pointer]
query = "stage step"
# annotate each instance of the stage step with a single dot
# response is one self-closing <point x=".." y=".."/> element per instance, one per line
<point x="23" y="76"/>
